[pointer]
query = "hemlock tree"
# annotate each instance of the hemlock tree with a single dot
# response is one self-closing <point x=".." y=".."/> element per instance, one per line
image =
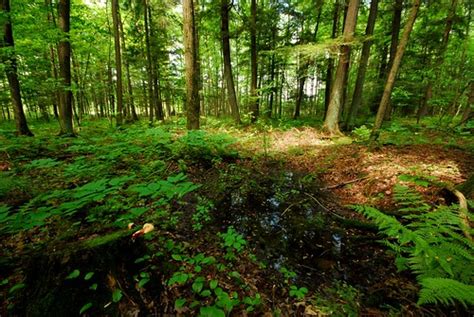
<point x="191" y="65"/>
<point x="394" y="70"/>
<point x="64" y="53"/>
<point x="8" y="59"/>
<point x="331" y="122"/>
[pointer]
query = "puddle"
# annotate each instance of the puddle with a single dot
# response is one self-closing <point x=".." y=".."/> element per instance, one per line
<point x="288" y="229"/>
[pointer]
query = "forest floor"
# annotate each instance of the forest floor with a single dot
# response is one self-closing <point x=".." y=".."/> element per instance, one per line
<point x="246" y="221"/>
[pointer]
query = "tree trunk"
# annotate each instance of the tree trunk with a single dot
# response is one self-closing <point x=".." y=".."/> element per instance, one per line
<point x="64" y="53"/>
<point x="330" y="69"/>
<point x="130" y="98"/>
<point x="155" y="73"/>
<point x="11" y="71"/>
<point x="118" y="61"/>
<point x="331" y="122"/>
<point x="151" y="102"/>
<point x="190" y="59"/>
<point x="394" y="70"/>
<point x="364" y="58"/>
<point x="232" y="98"/>
<point x="254" y="107"/>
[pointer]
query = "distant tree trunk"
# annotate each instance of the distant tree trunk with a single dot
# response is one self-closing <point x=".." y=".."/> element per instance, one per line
<point x="468" y="113"/>
<point x="335" y="24"/>
<point x="52" y="55"/>
<point x="190" y="59"/>
<point x="331" y="122"/>
<point x="254" y="107"/>
<point x="64" y="52"/>
<point x="130" y="98"/>
<point x="396" y="24"/>
<point x="232" y="98"/>
<point x="149" y="70"/>
<point x="394" y="70"/>
<point x="364" y="58"/>
<point x="423" y="110"/>
<point x="118" y="61"/>
<point x="155" y="73"/>
<point x="11" y="71"/>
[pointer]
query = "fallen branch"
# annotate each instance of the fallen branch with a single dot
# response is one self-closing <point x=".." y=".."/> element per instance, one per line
<point x="345" y="183"/>
<point x="463" y="212"/>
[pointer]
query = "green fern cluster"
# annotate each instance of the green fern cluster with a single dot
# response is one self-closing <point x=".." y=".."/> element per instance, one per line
<point x="429" y="242"/>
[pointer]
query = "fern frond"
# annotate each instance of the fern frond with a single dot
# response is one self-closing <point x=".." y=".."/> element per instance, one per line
<point x="445" y="291"/>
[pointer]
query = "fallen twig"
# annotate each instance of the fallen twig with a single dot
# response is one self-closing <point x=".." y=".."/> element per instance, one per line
<point x="345" y="183"/>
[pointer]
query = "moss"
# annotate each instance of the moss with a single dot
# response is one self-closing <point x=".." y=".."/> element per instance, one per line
<point x="104" y="239"/>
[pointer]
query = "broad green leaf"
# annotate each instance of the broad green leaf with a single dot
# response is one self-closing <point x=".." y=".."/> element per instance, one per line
<point x="117" y="295"/>
<point x="73" y="274"/>
<point x="85" y="308"/>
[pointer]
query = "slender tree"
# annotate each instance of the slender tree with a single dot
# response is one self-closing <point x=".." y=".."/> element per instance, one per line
<point x="330" y="68"/>
<point x="364" y="58"/>
<point x="64" y="53"/>
<point x="229" y="79"/>
<point x="9" y="60"/>
<point x="254" y="107"/>
<point x="118" y="61"/>
<point x="331" y="122"/>
<point x="149" y="65"/>
<point x="394" y="69"/>
<point x="191" y="64"/>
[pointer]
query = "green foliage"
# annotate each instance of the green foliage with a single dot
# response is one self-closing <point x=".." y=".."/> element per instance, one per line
<point x="445" y="291"/>
<point x="200" y="146"/>
<point x="431" y="244"/>
<point x="201" y="216"/>
<point x="362" y="133"/>
<point x="298" y="293"/>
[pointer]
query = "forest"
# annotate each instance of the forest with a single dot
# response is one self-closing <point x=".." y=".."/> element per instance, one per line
<point x="236" y="158"/>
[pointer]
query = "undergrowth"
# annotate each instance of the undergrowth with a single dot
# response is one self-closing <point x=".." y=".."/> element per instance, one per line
<point x="430" y="242"/>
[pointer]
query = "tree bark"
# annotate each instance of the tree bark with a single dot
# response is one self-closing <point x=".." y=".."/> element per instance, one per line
<point x="11" y="71"/>
<point x="232" y="98"/>
<point x="64" y="53"/>
<point x="151" y="100"/>
<point x="254" y="102"/>
<point x="331" y="122"/>
<point x="118" y="61"/>
<point x="394" y="70"/>
<point x="190" y="59"/>
<point x="330" y="69"/>
<point x="364" y="58"/>
<point x="130" y="98"/>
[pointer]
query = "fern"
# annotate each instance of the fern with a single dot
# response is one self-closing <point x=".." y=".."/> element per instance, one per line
<point x="445" y="291"/>
<point x="431" y="244"/>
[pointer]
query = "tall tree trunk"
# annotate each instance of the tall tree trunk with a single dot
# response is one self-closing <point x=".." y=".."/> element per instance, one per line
<point x="229" y="79"/>
<point x="155" y="72"/>
<point x="254" y="106"/>
<point x="394" y="70"/>
<point x="130" y="98"/>
<point x="11" y="71"/>
<point x="64" y="53"/>
<point x="118" y="60"/>
<point x="364" y="58"/>
<point x="331" y="122"/>
<point x="151" y="99"/>
<point x="330" y="69"/>
<point x="190" y="59"/>
<point x="396" y="24"/>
